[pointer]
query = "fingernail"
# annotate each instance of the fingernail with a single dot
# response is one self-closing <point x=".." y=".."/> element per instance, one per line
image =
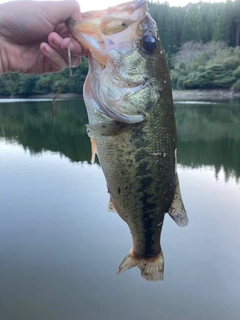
<point x="45" y="49"/>
<point x="55" y="42"/>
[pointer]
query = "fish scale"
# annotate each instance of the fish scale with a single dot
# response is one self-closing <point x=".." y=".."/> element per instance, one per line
<point x="131" y="123"/>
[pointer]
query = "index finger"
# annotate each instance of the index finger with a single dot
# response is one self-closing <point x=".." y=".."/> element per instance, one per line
<point x="59" y="11"/>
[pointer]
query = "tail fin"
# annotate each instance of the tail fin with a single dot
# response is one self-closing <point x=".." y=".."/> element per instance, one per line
<point x="151" y="268"/>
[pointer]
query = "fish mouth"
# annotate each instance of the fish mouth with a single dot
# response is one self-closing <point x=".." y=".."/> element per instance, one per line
<point x="101" y="30"/>
<point x="117" y="81"/>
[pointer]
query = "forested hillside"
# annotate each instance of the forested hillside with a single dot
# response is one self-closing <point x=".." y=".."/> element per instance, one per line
<point x="201" y="22"/>
<point x="201" y="42"/>
<point x="18" y="84"/>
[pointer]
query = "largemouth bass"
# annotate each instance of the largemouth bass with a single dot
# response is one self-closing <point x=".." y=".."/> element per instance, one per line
<point x="131" y="124"/>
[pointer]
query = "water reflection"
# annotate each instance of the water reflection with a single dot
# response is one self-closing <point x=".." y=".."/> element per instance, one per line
<point x="60" y="248"/>
<point x="31" y="125"/>
<point x="208" y="134"/>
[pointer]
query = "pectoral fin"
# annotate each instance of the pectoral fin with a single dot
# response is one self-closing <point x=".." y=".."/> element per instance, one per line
<point x="177" y="211"/>
<point x="94" y="149"/>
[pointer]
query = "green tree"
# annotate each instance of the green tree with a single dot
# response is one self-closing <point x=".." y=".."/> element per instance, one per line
<point x="236" y="23"/>
<point x="191" y="25"/>
<point x="224" y="26"/>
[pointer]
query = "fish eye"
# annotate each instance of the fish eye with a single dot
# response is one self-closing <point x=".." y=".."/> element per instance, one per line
<point x="149" y="44"/>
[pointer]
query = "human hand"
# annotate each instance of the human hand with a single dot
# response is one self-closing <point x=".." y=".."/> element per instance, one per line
<point x="34" y="38"/>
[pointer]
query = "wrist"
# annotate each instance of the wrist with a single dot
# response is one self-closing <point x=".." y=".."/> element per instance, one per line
<point x="1" y="67"/>
<point x="3" y="57"/>
<point x="1" y="41"/>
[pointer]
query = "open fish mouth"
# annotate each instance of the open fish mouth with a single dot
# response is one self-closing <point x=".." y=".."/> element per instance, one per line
<point x="99" y="31"/>
<point x="117" y="62"/>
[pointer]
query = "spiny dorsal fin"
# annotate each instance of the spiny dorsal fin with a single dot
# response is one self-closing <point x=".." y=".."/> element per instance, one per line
<point x="177" y="211"/>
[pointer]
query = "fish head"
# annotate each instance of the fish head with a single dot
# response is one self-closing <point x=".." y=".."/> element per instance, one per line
<point x="127" y="66"/>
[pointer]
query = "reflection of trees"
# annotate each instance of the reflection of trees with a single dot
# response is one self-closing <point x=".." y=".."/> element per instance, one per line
<point x="32" y="125"/>
<point x="209" y="135"/>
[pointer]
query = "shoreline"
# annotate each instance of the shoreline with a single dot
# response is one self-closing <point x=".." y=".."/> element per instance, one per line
<point x="44" y="96"/>
<point x="195" y="95"/>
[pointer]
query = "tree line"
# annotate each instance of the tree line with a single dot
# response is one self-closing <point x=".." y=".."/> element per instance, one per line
<point x="200" y="22"/>
<point x="201" y="42"/>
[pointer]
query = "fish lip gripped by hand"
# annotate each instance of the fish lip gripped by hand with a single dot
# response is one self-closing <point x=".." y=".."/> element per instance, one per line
<point x="131" y="125"/>
<point x="104" y="34"/>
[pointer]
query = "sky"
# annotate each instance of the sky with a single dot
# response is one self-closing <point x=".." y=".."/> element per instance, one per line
<point x="88" y="5"/>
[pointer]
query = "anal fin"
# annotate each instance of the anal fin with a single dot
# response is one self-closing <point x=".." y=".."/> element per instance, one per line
<point x="111" y="207"/>
<point x="177" y="210"/>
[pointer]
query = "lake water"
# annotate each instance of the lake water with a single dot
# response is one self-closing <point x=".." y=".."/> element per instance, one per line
<point x="60" y="248"/>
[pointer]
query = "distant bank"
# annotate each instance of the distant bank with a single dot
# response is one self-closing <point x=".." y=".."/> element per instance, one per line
<point x="205" y="95"/>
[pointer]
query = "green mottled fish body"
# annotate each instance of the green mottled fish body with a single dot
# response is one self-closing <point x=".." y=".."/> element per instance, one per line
<point x="132" y="126"/>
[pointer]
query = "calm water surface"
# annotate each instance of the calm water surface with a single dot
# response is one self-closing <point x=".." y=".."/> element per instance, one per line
<point x="60" y="248"/>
